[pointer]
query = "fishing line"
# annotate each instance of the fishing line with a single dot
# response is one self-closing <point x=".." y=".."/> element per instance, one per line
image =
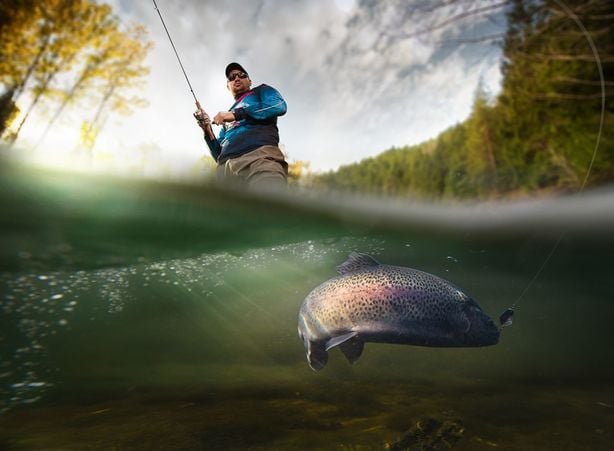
<point x="175" y="50"/>
<point x="506" y="317"/>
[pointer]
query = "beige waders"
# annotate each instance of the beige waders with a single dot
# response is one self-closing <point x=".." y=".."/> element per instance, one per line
<point x="264" y="167"/>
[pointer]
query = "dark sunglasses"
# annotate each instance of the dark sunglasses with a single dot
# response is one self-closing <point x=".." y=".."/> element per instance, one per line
<point x="241" y="75"/>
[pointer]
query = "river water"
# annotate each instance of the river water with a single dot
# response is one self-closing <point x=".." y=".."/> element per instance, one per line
<point x="151" y="315"/>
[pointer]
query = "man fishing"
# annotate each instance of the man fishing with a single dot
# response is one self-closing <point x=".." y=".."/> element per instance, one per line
<point x="247" y="148"/>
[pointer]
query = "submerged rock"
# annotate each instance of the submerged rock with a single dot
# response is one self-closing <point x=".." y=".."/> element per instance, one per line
<point x="430" y="434"/>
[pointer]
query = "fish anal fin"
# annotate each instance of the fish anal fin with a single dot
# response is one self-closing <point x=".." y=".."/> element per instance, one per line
<point x="357" y="262"/>
<point x="339" y="339"/>
<point x="352" y="349"/>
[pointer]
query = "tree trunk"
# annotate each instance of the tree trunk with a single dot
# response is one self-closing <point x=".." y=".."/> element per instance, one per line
<point x="57" y="113"/>
<point x="22" y="84"/>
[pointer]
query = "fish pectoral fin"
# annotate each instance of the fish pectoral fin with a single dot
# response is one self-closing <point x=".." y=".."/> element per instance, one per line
<point x="460" y="322"/>
<point x="339" y="339"/>
<point x="352" y="349"/>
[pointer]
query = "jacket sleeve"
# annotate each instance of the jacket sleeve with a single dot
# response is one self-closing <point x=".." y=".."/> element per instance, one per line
<point x="268" y="104"/>
<point x="214" y="145"/>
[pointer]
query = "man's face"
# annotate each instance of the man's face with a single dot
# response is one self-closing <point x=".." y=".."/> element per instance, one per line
<point x="238" y="82"/>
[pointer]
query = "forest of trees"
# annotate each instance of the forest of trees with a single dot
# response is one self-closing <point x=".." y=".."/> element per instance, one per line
<point x="58" y="53"/>
<point x="539" y="133"/>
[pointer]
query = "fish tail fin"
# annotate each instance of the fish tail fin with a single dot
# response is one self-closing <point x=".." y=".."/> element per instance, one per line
<point x="317" y="355"/>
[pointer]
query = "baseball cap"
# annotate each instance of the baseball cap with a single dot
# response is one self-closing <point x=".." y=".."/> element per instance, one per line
<point x="234" y="66"/>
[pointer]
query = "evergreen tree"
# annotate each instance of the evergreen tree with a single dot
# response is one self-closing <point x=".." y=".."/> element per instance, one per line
<point x="550" y="123"/>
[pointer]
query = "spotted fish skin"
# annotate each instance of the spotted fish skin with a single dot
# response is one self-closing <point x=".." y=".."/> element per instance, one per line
<point x="371" y="302"/>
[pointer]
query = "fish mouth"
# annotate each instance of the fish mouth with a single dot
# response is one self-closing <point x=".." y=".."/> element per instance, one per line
<point x="485" y="333"/>
<point x="482" y="330"/>
<point x="491" y="335"/>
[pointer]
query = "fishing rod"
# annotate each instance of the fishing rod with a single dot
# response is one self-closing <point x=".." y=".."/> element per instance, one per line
<point x="506" y="317"/>
<point x="177" y="55"/>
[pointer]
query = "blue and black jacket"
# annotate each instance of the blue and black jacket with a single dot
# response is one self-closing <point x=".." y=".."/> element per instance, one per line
<point x="256" y="113"/>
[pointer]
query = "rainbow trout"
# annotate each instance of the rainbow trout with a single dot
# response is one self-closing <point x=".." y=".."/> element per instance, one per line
<point x="370" y="302"/>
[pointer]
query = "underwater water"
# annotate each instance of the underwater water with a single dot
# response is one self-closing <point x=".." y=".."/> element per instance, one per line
<point x="144" y="315"/>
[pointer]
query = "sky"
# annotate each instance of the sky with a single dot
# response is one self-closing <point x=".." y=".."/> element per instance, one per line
<point x="359" y="77"/>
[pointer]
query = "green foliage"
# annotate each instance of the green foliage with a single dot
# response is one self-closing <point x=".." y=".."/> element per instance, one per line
<point x="8" y="110"/>
<point x="61" y="51"/>
<point x="539" y="133"/>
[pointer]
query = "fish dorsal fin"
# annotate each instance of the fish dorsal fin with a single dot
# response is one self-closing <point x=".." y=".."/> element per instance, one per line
<point x="357" y="262"/>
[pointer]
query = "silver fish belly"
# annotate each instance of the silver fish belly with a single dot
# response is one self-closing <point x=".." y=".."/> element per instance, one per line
<point x="370" y="302"/>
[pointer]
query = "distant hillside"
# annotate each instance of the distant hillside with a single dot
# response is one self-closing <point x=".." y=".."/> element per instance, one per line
<point x="539" y="133"/>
